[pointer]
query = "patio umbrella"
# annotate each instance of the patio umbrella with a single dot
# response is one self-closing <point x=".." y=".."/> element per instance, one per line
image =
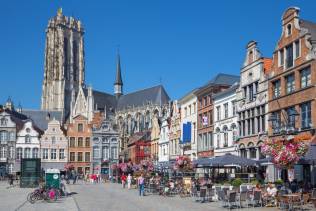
<point x="264" y="161"/>
<point x="202" y="162"/>
<point x="229" y="160"/>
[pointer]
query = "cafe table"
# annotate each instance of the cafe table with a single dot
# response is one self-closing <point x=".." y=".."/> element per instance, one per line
<point x="291" y="198"/>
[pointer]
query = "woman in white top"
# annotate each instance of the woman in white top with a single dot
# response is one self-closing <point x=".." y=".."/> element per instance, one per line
<point x="129" y="181"/>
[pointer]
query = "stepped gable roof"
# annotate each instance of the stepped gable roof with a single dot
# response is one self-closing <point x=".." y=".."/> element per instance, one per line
<point x="310" y="26"/>
<point x="41" y="117"/>
<point x="224" y="79"/>
<point x="102" y="99"/>
<point x="155" y="95"/>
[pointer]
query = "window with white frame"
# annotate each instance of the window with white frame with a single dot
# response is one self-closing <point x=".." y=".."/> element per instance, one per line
<point x="114" y="152"/>
<point x="96" y="152"/>
<point x="276" y="88"/>
<point x="306" y="115"/>
<point x="45" y="154"/>
<point x="290" y="83"/>
<point x="106" y="153"/>
<point x="61" y="154"/>
<point x="289" y="56"/>
<point x="3" y="152"/>
<point x="11" y="152"/>
<point x="305" y="77"/>
<point x="27" y="152"/>
<point x="225" y="136"/>
<point x="35" y="152"/>
<point x="19" y="153"/>
<point x="226" y="110"/>
<point x="218" y="113"/>
<point x="281" y="57"/>
<point x="53" y="154"/>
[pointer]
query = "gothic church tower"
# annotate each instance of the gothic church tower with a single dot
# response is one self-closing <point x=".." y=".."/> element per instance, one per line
<point x="64" y="63"/>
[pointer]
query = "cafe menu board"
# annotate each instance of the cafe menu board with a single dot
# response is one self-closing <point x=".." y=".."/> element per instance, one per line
<point x="30" y="172"/>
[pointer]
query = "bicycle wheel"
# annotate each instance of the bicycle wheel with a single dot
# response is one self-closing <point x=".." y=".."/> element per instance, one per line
<point x="33" y="197"/>
<point x="28" y="198"/>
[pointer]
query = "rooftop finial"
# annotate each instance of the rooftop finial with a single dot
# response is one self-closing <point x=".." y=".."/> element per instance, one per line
<point x="60" y="11"/>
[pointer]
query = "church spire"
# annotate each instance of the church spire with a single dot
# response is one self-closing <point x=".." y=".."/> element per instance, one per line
<point x="118" y="84"/>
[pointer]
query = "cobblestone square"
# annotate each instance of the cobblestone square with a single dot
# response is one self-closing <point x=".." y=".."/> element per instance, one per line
<point x="102" y="197"/>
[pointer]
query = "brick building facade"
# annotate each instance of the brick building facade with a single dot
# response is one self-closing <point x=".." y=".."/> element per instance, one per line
<point x="292" y="80"/>
<point x="205" y="115"/>
<point x="79" y="136"/>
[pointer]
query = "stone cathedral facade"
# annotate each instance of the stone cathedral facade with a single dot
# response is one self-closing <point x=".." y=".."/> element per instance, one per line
<point x="64" y="90"/>
<point x="64" y="63"/>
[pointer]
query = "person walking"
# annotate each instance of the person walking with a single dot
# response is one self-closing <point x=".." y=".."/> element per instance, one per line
<point x="129" y="181"/>
<point x="10" y="180"/>
<point x="140" y="182"/>
<point x="74" y="177"/>
<point x="123" y="179"/>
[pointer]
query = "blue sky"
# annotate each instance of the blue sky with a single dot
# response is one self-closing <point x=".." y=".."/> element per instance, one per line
<point x="183" y="43"/>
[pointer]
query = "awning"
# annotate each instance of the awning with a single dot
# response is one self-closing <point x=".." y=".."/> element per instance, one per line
<point x="225" y="160"/>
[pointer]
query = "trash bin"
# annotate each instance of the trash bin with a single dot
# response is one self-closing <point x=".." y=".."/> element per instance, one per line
<point x="52" y="178"/>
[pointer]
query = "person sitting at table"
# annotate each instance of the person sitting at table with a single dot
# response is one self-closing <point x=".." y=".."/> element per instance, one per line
<point x="270" y="193"/>
<point x="285" y="189"/>
<point x="257" y="188"/>
<point x="294" y="186"/>
<point x="271" y="190"/>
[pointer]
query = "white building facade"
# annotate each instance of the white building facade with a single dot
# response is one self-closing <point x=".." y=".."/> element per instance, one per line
<point x="188" y="105"/>
<point x="54" y="147"/>
<point x="226" y="120"/>
<point x="163" y="142"/>
<point x="27" y="143"/>
<point x="252" y="103"/>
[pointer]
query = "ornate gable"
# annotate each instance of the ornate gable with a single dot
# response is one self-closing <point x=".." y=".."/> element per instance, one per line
<point x="81" y="105"/>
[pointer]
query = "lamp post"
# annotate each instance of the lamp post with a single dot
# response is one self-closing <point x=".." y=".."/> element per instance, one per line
<point x="286" y="127"/>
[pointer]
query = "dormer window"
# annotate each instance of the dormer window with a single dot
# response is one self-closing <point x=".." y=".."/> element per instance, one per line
<point x="288" y="29"/>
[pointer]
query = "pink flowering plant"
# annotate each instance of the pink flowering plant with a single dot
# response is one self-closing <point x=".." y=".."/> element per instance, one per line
<point x="123" y="167"/>
<point x="183" y="163"/>
<point x="114" y="166"/>
<point x="69" y="167"/>
<point x="146" y="165"/>
<point x="286" y="153"/>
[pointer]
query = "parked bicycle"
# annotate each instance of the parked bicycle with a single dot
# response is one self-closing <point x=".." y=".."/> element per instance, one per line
<point x="47" y="194"/>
